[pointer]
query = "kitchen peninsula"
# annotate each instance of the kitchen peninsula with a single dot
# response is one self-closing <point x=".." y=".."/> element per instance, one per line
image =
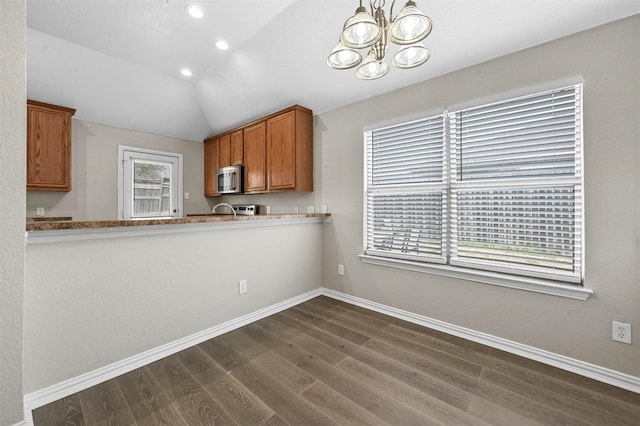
<point x="67" y="230"/>
<point x="55" y="225"/>
<point x="104" y="296"/>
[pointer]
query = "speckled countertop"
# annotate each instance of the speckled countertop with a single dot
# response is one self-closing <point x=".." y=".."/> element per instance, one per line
<point x="51" y="225"/>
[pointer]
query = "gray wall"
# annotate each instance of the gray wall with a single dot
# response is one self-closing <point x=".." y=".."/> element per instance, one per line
<point x="12" y="175"/>
<point x="609" y="60"/>
<point x="94" y="194"/>
<point x="91" y="303"/>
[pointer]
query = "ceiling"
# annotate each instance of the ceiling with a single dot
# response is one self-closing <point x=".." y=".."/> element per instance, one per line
<point x="118" y="62"/>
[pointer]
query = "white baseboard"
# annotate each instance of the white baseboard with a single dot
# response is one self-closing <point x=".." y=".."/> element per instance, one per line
<point x="602" y="374"/>
<point x="76" y="384"/>
<point x="84" y="381"/>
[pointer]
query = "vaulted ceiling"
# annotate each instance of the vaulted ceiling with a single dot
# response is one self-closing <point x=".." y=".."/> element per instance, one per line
<point x="118" y="62"/>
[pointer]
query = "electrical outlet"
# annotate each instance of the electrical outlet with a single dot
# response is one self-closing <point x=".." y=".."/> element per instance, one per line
<point x="340" y="269"/>
<point x="325" y="209"/>
<point x="242" y="286"/>
<point x="186" y="195"/>
<point x="311" y="209"/>
<point x="268" y="209"/>
<point x="621" y="332"/>
<point x="39" y="211"/>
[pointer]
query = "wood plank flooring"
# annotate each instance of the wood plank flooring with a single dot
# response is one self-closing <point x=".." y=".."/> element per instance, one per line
<point x="325" y="362"/>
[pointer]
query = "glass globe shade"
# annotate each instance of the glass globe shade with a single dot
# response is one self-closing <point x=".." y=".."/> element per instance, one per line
<point x="411" y="56"/>
<point x="360" y="30"/>
<point x="342" y="57"/>
<point x="410" y="26"/>
<point x="372" y="68"/>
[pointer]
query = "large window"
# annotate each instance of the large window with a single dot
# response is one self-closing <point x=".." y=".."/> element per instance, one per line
<point x="150" y="184"/>
<point x="496" y="187"/>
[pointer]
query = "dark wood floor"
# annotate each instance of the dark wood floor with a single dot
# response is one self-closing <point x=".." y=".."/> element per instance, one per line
<point x="326" y="362"/>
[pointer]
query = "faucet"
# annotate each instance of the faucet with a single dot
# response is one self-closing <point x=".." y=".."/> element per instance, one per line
<point x="224" y="204"/>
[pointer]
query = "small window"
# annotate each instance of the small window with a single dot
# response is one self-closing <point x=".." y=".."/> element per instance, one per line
<point x="150" y="184"/>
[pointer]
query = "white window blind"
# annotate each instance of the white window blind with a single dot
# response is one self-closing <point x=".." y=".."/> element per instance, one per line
<point x="406" y="197"/>
<point x="500" y="190"/>
<point x="516" y="186"/>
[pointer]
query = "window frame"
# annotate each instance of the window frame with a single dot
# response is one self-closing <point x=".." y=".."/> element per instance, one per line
<point x="125" y="155"/>
<point x="408" y="188"/>
<point x="531" y="281"/>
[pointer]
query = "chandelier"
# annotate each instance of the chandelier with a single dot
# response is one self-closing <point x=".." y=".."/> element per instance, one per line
<point x="371" y="30"/>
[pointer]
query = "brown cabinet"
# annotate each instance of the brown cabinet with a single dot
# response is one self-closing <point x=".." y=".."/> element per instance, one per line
<point x="225" y="150"/>
<point x="255" y="158"/>
<point x="290" y="151"/>
<point x="276" y="151"/>
<point x="211" y="164"/>
<point x="48" y="146"/>
<point x="231" y="147"/>
<point x="237" y="147"/>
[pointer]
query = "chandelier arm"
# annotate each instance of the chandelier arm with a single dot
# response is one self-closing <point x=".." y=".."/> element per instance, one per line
<point x="376" y="4"/>
<point x="391" y="11"/>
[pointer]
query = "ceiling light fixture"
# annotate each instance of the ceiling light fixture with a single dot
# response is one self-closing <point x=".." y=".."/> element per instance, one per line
<point x="372" y="31"/>
<point x="222" y="45"/>
<point x="186" y="72"/>
<point x="194" y="11"/>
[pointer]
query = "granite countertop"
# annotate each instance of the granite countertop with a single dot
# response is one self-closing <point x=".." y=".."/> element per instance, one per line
<point x="48" y="218"/>
<point x="64" y="223"/>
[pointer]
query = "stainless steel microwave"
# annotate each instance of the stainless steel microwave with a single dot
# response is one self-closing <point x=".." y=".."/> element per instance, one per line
<point x="230" y="180"/>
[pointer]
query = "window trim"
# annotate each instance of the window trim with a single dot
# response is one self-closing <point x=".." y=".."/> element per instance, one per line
<point x="519" y="282"/>
<point x="540" y="284"/>
<point x="144" y="151"/>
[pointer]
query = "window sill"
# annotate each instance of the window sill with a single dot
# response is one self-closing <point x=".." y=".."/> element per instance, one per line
<point x="535" y="285"/>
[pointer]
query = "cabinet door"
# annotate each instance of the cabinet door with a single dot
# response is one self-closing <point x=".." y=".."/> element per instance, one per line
<point x="254" y="158"/>
<point x="225" y="150"/>
<point x="211" y="164"/>
<point x="237" y="147"/>
<point x="281" y="152"/>
<point x="48" y="147"/>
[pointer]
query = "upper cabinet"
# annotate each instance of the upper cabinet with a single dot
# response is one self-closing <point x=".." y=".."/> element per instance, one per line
<point x="230" y="148"/>
<point x="48" y="146"/>
<point x="225" y="150"/>
<point x="255" y="158"/>
<point x="237" y="147"/>
<point x="211" y="164"/>
<point x="290" y="150"/>
<point x="276" y="151"/>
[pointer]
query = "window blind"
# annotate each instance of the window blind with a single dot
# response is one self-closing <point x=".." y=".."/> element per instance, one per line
<point x="409" y="153"/>
<point x="526" y="137"/>
<point x="497" y="187"/>
<point x="516" y="203"/>
<point x="405" y="194"/>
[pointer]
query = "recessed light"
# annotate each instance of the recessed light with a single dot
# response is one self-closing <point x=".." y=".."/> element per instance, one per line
<point x="194" y="11"/>
<point x="222" y="45"/>
<point x="186" y="72"/>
